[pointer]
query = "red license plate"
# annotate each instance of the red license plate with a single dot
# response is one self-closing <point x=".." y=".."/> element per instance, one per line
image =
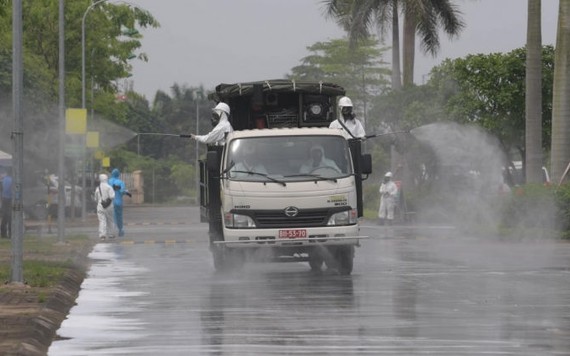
<point x="292" y="234"/>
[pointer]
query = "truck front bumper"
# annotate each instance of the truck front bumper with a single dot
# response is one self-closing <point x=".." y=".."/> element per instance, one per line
<point x="325" y="236"/>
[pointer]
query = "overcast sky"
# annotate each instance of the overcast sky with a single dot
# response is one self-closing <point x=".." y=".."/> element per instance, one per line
<point x="225" y="41"/>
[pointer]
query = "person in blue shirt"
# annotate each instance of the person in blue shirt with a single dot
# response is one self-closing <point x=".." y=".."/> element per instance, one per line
<point x="6" y="225"/>
<point x="120" y="190"/>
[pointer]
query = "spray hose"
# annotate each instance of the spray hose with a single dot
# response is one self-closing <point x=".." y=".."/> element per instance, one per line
<point x="387" y="133"/>
<point x="165" y="134"/>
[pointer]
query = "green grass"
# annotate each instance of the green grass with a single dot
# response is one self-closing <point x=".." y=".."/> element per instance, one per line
<point x="39" y="273"/>
<point x="45" y="261"/>
<point x="370" y="214"/>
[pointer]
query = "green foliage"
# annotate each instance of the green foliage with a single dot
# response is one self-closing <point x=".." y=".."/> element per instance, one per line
<point x="531" y="205"/>
<point x="39" y="273"/>
<point x="405" y="109"/>
<point x="46" y="262"/>
<point x="538" y="210"/>
<point x="488" y="90"/>
<point x="3" y="7"/>
<point x="183" y="175"/>
<point x="168" y="163"/>
<point x="109" y="40"/>
<point x="371" y="196"/>
<point x="164" y="179"/>
<point x="562" y="197"/>
<point x="482" y="90"/>
<point x="359" y="70"/>
<point x="381" y="164"/>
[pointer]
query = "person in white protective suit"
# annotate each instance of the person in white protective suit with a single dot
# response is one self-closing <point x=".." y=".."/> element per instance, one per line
<point x="222" y="126"/>
<point x="356" y="130"/>
<point x="318" y="160"/>
<point x="105" y="215"/>
<point x="248" y="167"/>
<point x="388" y="194"/>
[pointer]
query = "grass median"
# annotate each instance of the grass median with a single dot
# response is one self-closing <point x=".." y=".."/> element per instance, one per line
<point x="45" y="261"/>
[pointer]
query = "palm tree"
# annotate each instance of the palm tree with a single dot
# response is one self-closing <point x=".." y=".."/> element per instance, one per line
<point x="423" y="17"/>
<point x="533" y="99"/>
<point x="560" y="145"/>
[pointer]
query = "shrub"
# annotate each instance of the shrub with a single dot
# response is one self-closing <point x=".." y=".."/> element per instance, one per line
<point x="562" y="196"/>
<point x="531" y="205"/>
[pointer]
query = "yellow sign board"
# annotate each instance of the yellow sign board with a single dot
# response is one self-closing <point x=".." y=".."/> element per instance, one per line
<point x="106" y="162"/>
<point x="76" y="121"/>
<point x="92" y="139"/>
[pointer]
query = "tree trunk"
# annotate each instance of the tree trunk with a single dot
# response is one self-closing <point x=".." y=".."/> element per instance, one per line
<point x="396" y="75"/>
<point x="533" y="94"/>
<point x="561" y="95"/>
<point x="409" y="47"/>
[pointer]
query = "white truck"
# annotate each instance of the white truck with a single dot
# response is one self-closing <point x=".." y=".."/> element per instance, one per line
<point x="284" y="187"/>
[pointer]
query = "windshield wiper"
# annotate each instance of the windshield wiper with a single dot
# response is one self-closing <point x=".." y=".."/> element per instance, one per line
<point x="263" y="175"/>
<point x="317" y="176"/>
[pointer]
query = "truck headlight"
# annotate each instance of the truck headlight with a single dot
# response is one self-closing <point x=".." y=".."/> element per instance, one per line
<point x="238" y="221"/>
<point x="347" y="217"/>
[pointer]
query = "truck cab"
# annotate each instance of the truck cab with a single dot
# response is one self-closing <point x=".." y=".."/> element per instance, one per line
<point x="284" y="186"/>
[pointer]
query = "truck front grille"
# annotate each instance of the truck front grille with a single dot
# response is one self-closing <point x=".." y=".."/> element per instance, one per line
<point x="276" y="218"/>
<point x="271" y="219"/>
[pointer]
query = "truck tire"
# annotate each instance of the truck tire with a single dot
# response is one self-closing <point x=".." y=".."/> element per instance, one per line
<point x="345" y="259"/>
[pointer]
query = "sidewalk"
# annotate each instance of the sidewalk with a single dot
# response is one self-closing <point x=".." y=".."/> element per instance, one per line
<point x="30" y="316"/>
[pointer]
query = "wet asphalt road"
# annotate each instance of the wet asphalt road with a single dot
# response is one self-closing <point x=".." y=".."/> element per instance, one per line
<point x="425" y="291"/>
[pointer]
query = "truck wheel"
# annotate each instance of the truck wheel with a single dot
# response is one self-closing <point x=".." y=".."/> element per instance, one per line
<point x="315" y="260"/>
<point x="345" y="259"/>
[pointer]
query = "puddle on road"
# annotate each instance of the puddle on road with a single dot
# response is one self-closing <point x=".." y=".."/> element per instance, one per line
<point x="101" y="313"/>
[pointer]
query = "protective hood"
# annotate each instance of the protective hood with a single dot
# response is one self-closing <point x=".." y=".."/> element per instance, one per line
<point x="223" y="107"/>
<point x="318" y="148"/>
<point x="103" y="178"/>
<point x="344" y="102"/>
<point x="115" y="173"/>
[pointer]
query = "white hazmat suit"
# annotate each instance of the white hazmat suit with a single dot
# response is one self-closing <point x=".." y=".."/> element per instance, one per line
<point x="350" y="122"/>
<point x="105" y="215"/>
<point x="388" y="193"/>
<point x="218" y="134"/>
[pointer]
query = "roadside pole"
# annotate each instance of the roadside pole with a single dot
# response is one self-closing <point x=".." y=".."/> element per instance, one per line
<point x="17" y="223"/>
<point x="61" y="165"/>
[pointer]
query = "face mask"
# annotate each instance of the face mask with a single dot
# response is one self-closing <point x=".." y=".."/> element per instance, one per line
<point x="347" y="113"/>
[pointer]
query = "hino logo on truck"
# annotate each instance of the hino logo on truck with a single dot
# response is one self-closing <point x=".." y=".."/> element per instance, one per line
<point x="291" y="211"/>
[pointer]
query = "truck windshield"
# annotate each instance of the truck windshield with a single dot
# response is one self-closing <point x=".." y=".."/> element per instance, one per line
<point x="288" y="158"/>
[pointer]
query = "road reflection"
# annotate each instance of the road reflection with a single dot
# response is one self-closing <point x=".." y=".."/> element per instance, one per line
<point x="276" y="310"/>
<point x="406" y="294"/>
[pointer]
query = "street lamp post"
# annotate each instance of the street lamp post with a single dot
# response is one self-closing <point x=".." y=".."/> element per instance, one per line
<point x="198" y="95"/>
<point x="84" y="106"/>
<point x="95" y="3"/>
<point x="83" y="101"/>
<point x="83" y="50"/>
<point x="196" y="165"/>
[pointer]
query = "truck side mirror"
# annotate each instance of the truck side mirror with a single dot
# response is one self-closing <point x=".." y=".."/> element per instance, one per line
<point x="366" y="164"/>
<point x="212" y="161"/>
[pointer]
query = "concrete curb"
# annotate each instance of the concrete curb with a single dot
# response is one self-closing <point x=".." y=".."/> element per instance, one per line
<point x="55" y="310"/>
